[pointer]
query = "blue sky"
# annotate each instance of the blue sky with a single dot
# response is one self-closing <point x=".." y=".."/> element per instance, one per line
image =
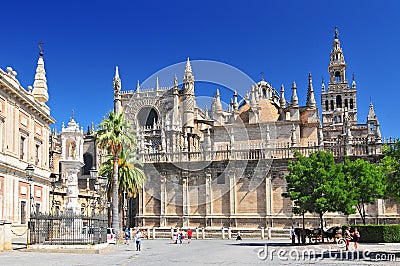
<point x="85" y="40"/>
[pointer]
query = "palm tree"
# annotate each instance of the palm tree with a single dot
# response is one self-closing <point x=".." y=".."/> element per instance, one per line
<point x="115" y="133"/>
<point x="130" y="177"/>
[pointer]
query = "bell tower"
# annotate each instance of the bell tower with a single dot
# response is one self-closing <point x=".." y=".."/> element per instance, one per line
<point x="340" y="95"/>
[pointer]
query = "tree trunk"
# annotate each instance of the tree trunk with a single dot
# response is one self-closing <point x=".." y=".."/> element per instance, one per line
<point x="322" y="226"/>
<point x="115" y="218"/>
<point x="363" y="211"/>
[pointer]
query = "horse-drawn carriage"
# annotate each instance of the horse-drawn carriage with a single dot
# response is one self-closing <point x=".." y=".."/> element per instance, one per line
<point x="314" y="235"/>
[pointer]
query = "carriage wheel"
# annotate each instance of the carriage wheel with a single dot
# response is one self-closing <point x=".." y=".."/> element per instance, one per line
<point x="341" y="242"/>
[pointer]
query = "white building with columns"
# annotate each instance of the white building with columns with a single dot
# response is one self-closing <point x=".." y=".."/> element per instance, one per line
<point x="24" y="140"/>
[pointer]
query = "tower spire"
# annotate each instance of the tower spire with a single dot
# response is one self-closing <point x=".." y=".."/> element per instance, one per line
<point x="117" y="80"/>
<point x="40" y="84"/>
<point x="295" y="99"/>
<point x="282" y="100"/>
<point x="310" y="93"/>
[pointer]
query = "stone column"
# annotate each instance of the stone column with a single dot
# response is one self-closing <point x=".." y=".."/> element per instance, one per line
<point x="185" y="198"/>
<point x="209" y="208"/>
<point x="163" y="199"/>
<point x="232" y="192"/>
<point x="72" y="189"/>
<point x="268" y="195"/>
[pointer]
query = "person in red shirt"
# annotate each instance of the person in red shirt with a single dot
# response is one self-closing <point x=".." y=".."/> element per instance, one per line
<point x="189" y="234"/>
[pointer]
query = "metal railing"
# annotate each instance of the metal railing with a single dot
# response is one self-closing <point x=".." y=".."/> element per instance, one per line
<point x="67" y="229"/>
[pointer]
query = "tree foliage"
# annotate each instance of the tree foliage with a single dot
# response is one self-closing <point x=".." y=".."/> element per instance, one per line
<point x="114" y="134"/>
<point x="365" y="183"/>
<point x="314" y="183"/>
<point x="391" y="168"/>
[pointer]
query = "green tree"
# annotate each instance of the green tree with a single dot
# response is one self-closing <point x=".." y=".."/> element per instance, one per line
<point x="391" y="168"/>
<point x="130" y="177"/>
<point x="365" y="183"/>
<point x="314" y="183"/>
<point x="113" y="134"/>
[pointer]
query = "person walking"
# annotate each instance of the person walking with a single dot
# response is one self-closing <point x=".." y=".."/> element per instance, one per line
<point x="356" y="237"/>
<point x="189" y="234"/>
<point x="347" y="237"/>
<point x="293" y="235"/>
<point x="127" y="236"/>
<point x="138" y="240"/>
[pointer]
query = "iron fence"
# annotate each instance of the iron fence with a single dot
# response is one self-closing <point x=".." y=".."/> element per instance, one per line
<point x="67" y="229"/>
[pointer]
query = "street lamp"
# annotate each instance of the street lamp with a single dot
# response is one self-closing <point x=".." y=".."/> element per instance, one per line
<point x="29" y="174"/>
<point x="101" y="187"/>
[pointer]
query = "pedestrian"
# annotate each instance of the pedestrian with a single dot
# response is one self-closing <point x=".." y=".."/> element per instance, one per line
<point x="347" y="237"/>
<point x="292" y="235"/>
<point x="127" y="236"/>
<point x="138" y="240"/>
<point x="189" y="233"/>
<point x="180" y="236"/>
<point x="175" y="236"/>
<point x="356" y="237"/>
<point x="183" y="236"/>
<point x="238" y="236"/>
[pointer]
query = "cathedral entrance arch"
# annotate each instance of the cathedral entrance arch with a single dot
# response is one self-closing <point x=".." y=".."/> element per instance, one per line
<point x="147" y="116"/>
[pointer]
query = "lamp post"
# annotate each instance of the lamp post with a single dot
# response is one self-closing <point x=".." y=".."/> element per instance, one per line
<point x="101" y="188"/>
<point x="29" y="174"/>
<point x="54" y="180"/>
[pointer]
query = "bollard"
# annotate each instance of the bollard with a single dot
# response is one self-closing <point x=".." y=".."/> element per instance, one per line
<point x="269" y="233"/>
<point x="154" y="233"/>
<point x="262" y="233"/>
<point x="229" y="233"/>
<point x="7" y="236"/>
<point x="197" y="233"/>
<point x="203" y="233"/>
<point x="148" y="233"/>
<point x="223" y="233"/>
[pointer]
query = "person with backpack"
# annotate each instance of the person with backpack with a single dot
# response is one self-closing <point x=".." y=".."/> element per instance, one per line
<point x="127" y="235"/>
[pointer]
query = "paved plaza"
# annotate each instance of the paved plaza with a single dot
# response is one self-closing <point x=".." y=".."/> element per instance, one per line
<point x="214" y="252"/>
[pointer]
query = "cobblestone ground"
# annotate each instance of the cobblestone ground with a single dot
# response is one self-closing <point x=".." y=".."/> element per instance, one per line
<point x="215" y="252"/>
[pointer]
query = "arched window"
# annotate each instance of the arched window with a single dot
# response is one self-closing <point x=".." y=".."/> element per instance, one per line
<point x="351" y="104"/>
<point x="88" y="160"/>
<point x="147" y="116"/>
<point x="339" y="101"/>
<point x="332" y="105"/>
<point x="326" y="105"/>
<point x="337" y="76"/>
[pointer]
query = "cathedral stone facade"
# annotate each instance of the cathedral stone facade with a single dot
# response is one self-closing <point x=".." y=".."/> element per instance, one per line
<point x="226" y="168"/>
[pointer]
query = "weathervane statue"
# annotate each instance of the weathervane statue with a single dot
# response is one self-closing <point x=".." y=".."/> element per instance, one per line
<point x="40" y="48"/>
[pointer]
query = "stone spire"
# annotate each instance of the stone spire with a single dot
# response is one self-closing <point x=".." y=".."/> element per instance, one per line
<point x="189" y="103"/>
<point x="217" y="103"/>
<point x="371" y="112"/>
<point x="282" y="100"/>
<point x="295" y="99"/>
<point x="310" y="94"/>
<point x="175" y="81"/>
<point x="157" y="84"/>
<point x="40" y="84"/>
<point x="138" y="86"/>
<point x="235" y="101"/>
<point x="117" y="92"/>
<point x="353" y="83"/>
<point x="323" y="85"/>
